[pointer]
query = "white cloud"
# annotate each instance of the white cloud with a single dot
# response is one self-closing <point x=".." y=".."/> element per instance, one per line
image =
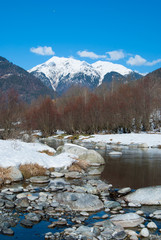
<point x="153" y="62"/>
<point x="42" y="50"/>
<point x="115" y="55"/>
<point x="90" y="54"/>
<point x="137" y="60"/>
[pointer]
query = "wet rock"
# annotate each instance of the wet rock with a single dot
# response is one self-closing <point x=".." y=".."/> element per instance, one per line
<point x="114" y="153"/>
<point x="56" y="175"/>
<point x="40" y="179"/>
<point x="7" y="231"/>
<point x="127" y="220"/>
<point x="111" y="204"/>
<point x="11" y="197"/>
<point x="72" y="175"/>
<point x="22" y="195"/>
<point x="58" y="223"/>
<point x="95" y="171"/>
<point x="33" y="217"/>
<point x="32" y="197"/>
<point x="22" y="202"/>
<point x="152" y="225"/>
<point x="2" y="202"/>
<point x="27" y="223"/>
<point x="145" y="196"/>
<point x="84" y="202"/>
<point x="144" y="232"/>
<point x="124" y="191"/>
<point x="9" y="204"/>
<point x="15" y="174"/>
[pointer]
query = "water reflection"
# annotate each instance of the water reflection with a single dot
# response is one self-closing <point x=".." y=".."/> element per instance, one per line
<point x="135" y="168"/>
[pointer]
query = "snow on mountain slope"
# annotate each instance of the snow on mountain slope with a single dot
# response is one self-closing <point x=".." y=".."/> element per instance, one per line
<point x="104" y="67"/>
<point x="56" y="68"/>
<point x="60" y="71"/>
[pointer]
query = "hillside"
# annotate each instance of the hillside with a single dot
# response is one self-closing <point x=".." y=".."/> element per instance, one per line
<point x="28" y="86"/>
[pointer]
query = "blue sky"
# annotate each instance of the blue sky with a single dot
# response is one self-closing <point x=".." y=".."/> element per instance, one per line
<point x="122" y="31"/>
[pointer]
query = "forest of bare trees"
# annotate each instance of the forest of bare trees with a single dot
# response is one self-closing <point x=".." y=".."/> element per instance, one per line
<point x="128" y="107"/>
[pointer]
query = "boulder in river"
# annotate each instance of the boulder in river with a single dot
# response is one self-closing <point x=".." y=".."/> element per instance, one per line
<point x="127" y="220"/>
<point x="80" y="201"/>
<point x="92" y="157"/>
<point x="145" y="196"/>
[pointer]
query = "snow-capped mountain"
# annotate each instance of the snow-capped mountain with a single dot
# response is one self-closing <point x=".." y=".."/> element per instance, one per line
<point x="60" y="73"/>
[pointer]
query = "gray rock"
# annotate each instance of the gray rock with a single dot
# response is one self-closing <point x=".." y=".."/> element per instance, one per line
<point x="33" y="217"/>
<point x="14" y="174"/>
<point x="9" y="204"/>
<point x="22" y="195"/>
<point x="56" y="175"/>
<point x="145" y="196"/>
<point x="84" y="202"/>
<point x="22" y="202"/>
<point x="92" y="157"/>
<point x="72" y="175"/>
<point x="2" y="203"/>
<point x="40" y="179"/>
<point x="124" y="191"/>
<point x="95" y="171"/>
<point x="127" y="220"/>
<point x="11" y="197"/>
<point x="8" y="231"/>
<point x="32" y="197"/>
<point x="111" y="204"/>
<point x="58" y="223"/>
<point x="152" y="225"/>
<point x="73" y="149"/>
<point x="26" y="223"/>
<point x="144" y="232"/>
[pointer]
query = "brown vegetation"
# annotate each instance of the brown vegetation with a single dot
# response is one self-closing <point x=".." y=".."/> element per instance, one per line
<point x="47" y="152"/>
<point x="78" y="166"/>
<point x="126" y="108"/>
<point x="31" y="170"/>
<point x="4" y="173"/>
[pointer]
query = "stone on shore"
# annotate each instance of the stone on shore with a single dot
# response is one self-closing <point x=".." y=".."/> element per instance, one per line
<point x="15" y="174"/>
<point x="90" y="156"/>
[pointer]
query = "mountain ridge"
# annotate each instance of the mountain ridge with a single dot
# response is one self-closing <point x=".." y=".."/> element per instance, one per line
<point x="60" y="73"/>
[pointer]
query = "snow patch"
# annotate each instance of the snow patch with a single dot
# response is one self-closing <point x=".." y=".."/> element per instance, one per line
<point x="15" y="152"/>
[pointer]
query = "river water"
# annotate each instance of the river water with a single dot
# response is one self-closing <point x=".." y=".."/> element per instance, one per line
<point x="136" y="168"/>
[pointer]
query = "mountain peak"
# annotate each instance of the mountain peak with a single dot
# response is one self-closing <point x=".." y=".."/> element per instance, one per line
<point x="61" y="72"/>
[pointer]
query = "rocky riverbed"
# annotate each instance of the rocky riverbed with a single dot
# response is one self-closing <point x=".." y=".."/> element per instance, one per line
<point x="75" y="208"/>
<point x="78" y="205"/>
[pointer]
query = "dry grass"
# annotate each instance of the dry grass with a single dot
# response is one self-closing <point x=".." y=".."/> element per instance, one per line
<point x="47" y="152"/>
<point x="4" y="173"/>
<point x="31" y="170"/>
<point x="78" y="166"/>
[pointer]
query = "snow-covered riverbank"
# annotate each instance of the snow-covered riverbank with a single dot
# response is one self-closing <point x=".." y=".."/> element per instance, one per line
<point x="151" y="139"/>
<point x="16" y="152"/>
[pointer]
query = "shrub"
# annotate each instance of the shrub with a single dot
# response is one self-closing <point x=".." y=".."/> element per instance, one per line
<point x="31" y="170"/>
